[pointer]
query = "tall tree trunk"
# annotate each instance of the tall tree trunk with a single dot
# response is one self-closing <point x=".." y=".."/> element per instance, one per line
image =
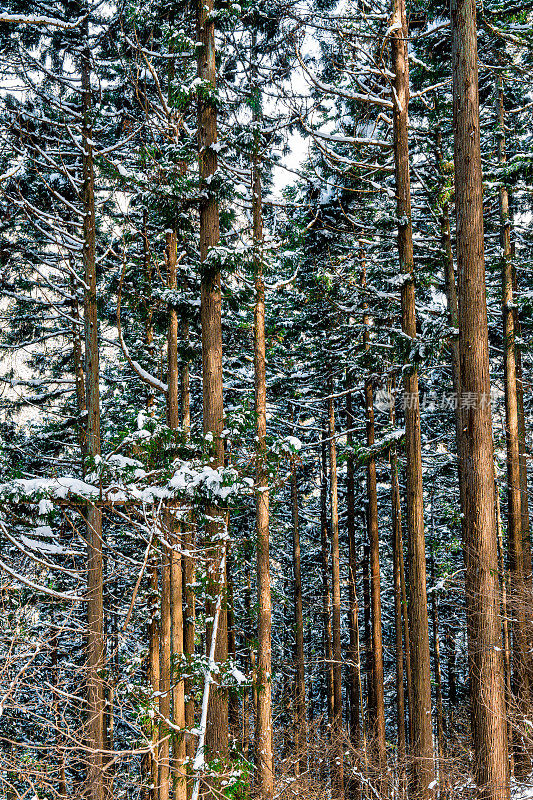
<point x="505" y="626"/>
<point x="172" y="609"/>
<point x="232" y="641"/>
<point x="526" y="536"/>
<point x="398" y="539"/>
<point x="165" y="677"/>
<point x="217" y="733"/>
<point x="326" y="596"/>
<point x="95" y="606"/>
<point x="375" y="576"/>
<point x="514" y="504"/>
<point x="147" y="302"/>
<point x="61" y="772"/>
<point x="477" y="454"/>
<point x="336" y="732"/>
<point x="189" y="624"/>
<point x="367" y="629"/>
<point x="300" y="725"/>
<point x="178" y="686"/>
<point x="422" y="743"/>
<point x="79" y="376"/>
<point x="248" y="647"/>
<point x="188" y="568"/>
<point x="453" y="317"/>
<point x="153" y="667"/>
<point x="397" y="552"/>
<point x="263" y="728"/>
<point x="524" y="500"/>
<point x="441" y="741"/>
<point x="354" y="672"/>
<point x="451" y="666"/>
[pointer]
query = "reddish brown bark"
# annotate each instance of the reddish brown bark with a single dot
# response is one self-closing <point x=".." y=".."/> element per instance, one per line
<point x="375" y="578"/>
<point x="423" y="773"/>
<point x="477" y="454"/>
<point x="95" y="605"/>
<point x="337" y="737"/>
<point x="263" y="729"/>
<point x="212" y="385"/>
<point x="354" y="672"/>
<point x="300" y="733"/>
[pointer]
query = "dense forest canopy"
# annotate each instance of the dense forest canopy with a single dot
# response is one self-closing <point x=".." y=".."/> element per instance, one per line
<point x="266" y="275"/>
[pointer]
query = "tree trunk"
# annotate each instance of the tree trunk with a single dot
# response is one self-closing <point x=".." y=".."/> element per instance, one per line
<point x="178" y="687"/>
<point x="179" y="786"/>
<point x="61" y="773"/>
<point x="397" y="552"/>
<point x="248" y="647"/>
<point x="336" y="732"/>
<point x="422" y="742"/>
<point x="505" y="627"/>
<point x="375" y="577"/>
<point x="526" y="536"/>
<point x="441" y="741"/>
<point x="95" y="606"/>
<point x="147" y="302"/>
<point x="326" y="596"/>
<point x="189" y="630"/>
<point x="369" y="675"/>
<point x="514" y="500"/>
<point x="300" y="725"/>
<point x="397" y="520"/>
<point x="217" y="733"/>
<point x="263" y="728"/>
<point x="353" y="621"/>
<point x="164" y="677"/>
<point x="154" y="671"/>
<point x="477" y="454"/>
<point x="79" y="376"/>
<point x="233" y="708"/>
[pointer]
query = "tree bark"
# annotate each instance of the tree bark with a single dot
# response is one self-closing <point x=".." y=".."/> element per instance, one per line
<point x="512" y="437"/>
<point x="526" y="535"/>
<point x="61" y="772"/>
<point x="375" y="578"/>
<point x="367" y="629"/>
<point x="189" y="624"/>
<point x="477" y="454"/>
<point x="441" y="732"/>
<point x="263" y="728"/>
<point x="165" y="677"/>
<point x="172" y="610"/>
<point x="397" y="551"/>
<point x="179" y="787"/>
<point x="398" y="538"/>
<point x="217" y="733"/>
<point x="423" y="772"/>
<point x="233" y="709"/>
<point x="153" y="670"/>
<point x="353" y="621"/>
<point x="326" y="596"/>
<point x="79" y="375"/>
<point x="336" y="732"/>
<point x="95" y="606"/>
<point x="300" y="723"/>
<point x="505" y="626"/>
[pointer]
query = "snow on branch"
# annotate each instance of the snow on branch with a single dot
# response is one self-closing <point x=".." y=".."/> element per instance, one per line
<point x="327" y="88"/>
<point x="45" y="22"/>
